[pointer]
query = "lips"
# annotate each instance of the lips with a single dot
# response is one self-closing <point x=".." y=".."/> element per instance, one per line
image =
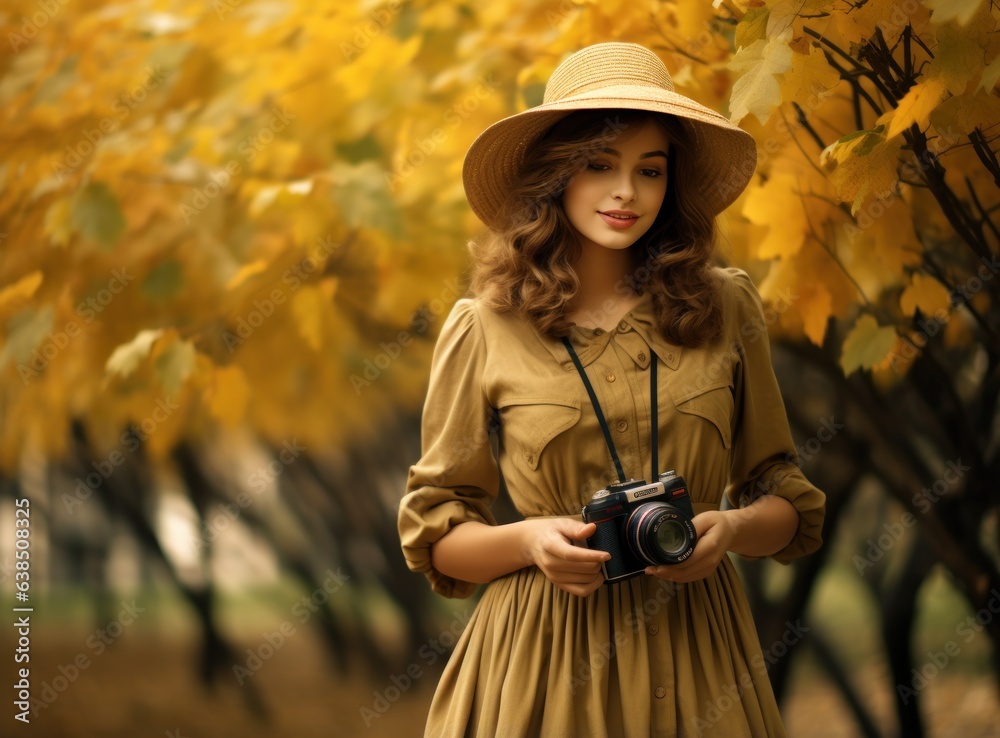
<point x="619" y="219"/>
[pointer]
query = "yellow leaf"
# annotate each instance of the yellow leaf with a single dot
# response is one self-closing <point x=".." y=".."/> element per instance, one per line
<point x="890" y="17"/>
<point x="58" y="225"/>
<point x="783" y="13"/>
<point x="175" y="364"/>
<point x="946" y="10"/>
<point x="816" y="306"/>
<point x="810" y="75"/>
<point x="13" y="296"/>
<point x="856" y="175"/>
<point x="925" y="293"/>
<point x="990" y="76"/>
<point x="230" y="395"/>
<point x="25" y="332"/>
<point x="964" y="113"/>
<point x="958" y="56"/>
<point x="691" y="19"/>
<point x="328" y="286"/>
<point x="126" y="358"/>
<point x="777" y="205"/>
<point x="286" y="194"/>
<point x="310" y="306"/>
<point x="916" y="106"/>
<point x="251" y="269"/>
<point x="752" y="26"/>
<point x="866" y="345"/>
<point x="893" y="237"/>
<point x="757" y="90"/>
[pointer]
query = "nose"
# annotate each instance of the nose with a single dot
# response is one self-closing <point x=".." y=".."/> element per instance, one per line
<point x="623" y="189"/>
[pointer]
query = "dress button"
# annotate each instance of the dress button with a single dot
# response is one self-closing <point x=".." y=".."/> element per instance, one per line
<point x="670" y="357"/>
<point x="528" y="457"/>
<point x="622" y="327"/>
<point x="622" y="425"/>
<point x="653" y="630"/>
<point x="642" y="357"/>
<point x="610" y="377"/>
<point x="598" y="331"/>
<point x="660" y="692"/>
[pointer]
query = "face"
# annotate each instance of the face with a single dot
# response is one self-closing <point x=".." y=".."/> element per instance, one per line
<point x="627" y="179"/>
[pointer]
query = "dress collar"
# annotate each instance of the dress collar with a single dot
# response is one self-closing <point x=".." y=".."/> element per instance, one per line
<point x="636" y="334"/>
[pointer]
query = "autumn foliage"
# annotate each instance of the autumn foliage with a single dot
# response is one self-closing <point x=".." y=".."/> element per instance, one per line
<point x="173" y="177"/>
<point x="248" y="216"/>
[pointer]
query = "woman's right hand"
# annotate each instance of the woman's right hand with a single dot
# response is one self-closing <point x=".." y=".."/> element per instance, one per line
<point x="548" y="544"/>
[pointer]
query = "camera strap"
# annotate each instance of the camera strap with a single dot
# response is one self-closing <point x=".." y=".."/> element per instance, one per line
<point x="600" y="415"/>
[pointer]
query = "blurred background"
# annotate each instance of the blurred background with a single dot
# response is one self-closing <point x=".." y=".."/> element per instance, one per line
<point x="230" y="232"/>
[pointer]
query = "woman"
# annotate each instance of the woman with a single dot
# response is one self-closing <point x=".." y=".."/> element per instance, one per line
<point x="601" y="342"/>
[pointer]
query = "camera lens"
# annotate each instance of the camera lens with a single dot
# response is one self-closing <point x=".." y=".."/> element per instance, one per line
<point x="672" y="537"/>
<point x="660" y="533"/>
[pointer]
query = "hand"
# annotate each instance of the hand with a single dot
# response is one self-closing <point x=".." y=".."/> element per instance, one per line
<point x="548" y="544"/>
<point x="715" y="535"/>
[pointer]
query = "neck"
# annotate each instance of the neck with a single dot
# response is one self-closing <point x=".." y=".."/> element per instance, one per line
<point x="605" y="295"/>
<point x="602" y="273"/>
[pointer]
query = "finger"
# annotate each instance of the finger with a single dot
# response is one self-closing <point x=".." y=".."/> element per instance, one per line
<point x="576" y="530"/>
<point x="569" y="552"/>
<point x="584" y="555"/>
<point x="704" y="522"/>
<point x="556" y="565"/>
<point x="693" y="562"/>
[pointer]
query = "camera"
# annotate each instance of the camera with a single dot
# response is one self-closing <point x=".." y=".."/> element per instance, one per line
<point x="642" y="525"/>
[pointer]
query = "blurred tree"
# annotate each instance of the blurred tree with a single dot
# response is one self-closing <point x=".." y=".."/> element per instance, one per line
<point x="245" y="220"/>
<point x="877" y="208"/>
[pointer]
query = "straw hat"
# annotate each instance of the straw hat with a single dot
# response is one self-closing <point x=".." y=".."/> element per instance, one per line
<point x="612" y="75"/>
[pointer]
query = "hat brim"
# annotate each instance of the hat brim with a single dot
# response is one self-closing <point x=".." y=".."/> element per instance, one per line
<point x="725" y="156"/>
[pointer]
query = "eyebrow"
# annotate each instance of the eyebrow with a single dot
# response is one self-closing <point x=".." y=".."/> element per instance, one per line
<point x="647" y="155"/>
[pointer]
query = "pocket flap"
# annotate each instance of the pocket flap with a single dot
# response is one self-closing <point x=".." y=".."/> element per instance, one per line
<point x="713" y="402"/>
<point x="529" y="424"/>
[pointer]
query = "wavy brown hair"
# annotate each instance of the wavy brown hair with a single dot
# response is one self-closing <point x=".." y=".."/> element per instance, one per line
<point x="525" y="266"/>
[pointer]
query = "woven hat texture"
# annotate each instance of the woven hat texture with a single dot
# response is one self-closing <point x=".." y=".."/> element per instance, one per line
<point x="614" y="76"/>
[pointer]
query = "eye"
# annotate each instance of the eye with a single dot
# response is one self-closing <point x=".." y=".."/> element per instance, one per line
<point x="597" y="167"/>
<point x="652" y="173"/>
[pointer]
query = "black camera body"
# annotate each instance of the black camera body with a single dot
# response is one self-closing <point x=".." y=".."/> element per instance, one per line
<point x="642" y="524"/>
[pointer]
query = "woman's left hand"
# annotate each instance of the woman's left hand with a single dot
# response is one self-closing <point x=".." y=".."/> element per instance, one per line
<point x="715" y="532"/>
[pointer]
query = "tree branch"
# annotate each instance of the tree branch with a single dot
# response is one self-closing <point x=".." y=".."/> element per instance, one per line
<point x="985" y="154"/>
<point x="934" y="174"/>
<point x="804" y="122"/>
<point x="979" y="206"/>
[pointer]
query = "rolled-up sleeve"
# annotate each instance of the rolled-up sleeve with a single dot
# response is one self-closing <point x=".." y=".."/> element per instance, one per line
<point x="765" y="460"/>
<point x="456" y="479"/>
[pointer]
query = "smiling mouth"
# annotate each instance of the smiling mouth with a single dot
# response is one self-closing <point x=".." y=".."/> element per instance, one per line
<point x="619" y="221"/>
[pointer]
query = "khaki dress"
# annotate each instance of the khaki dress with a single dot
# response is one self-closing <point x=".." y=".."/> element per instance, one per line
<point x="641" y="657"/>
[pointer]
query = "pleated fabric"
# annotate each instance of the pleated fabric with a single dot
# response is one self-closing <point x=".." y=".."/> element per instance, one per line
<point x="639" y="658"/>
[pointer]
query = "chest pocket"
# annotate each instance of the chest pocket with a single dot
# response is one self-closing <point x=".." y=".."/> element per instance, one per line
<point x="529" y="424"/>
<point x="714" y="403"/>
